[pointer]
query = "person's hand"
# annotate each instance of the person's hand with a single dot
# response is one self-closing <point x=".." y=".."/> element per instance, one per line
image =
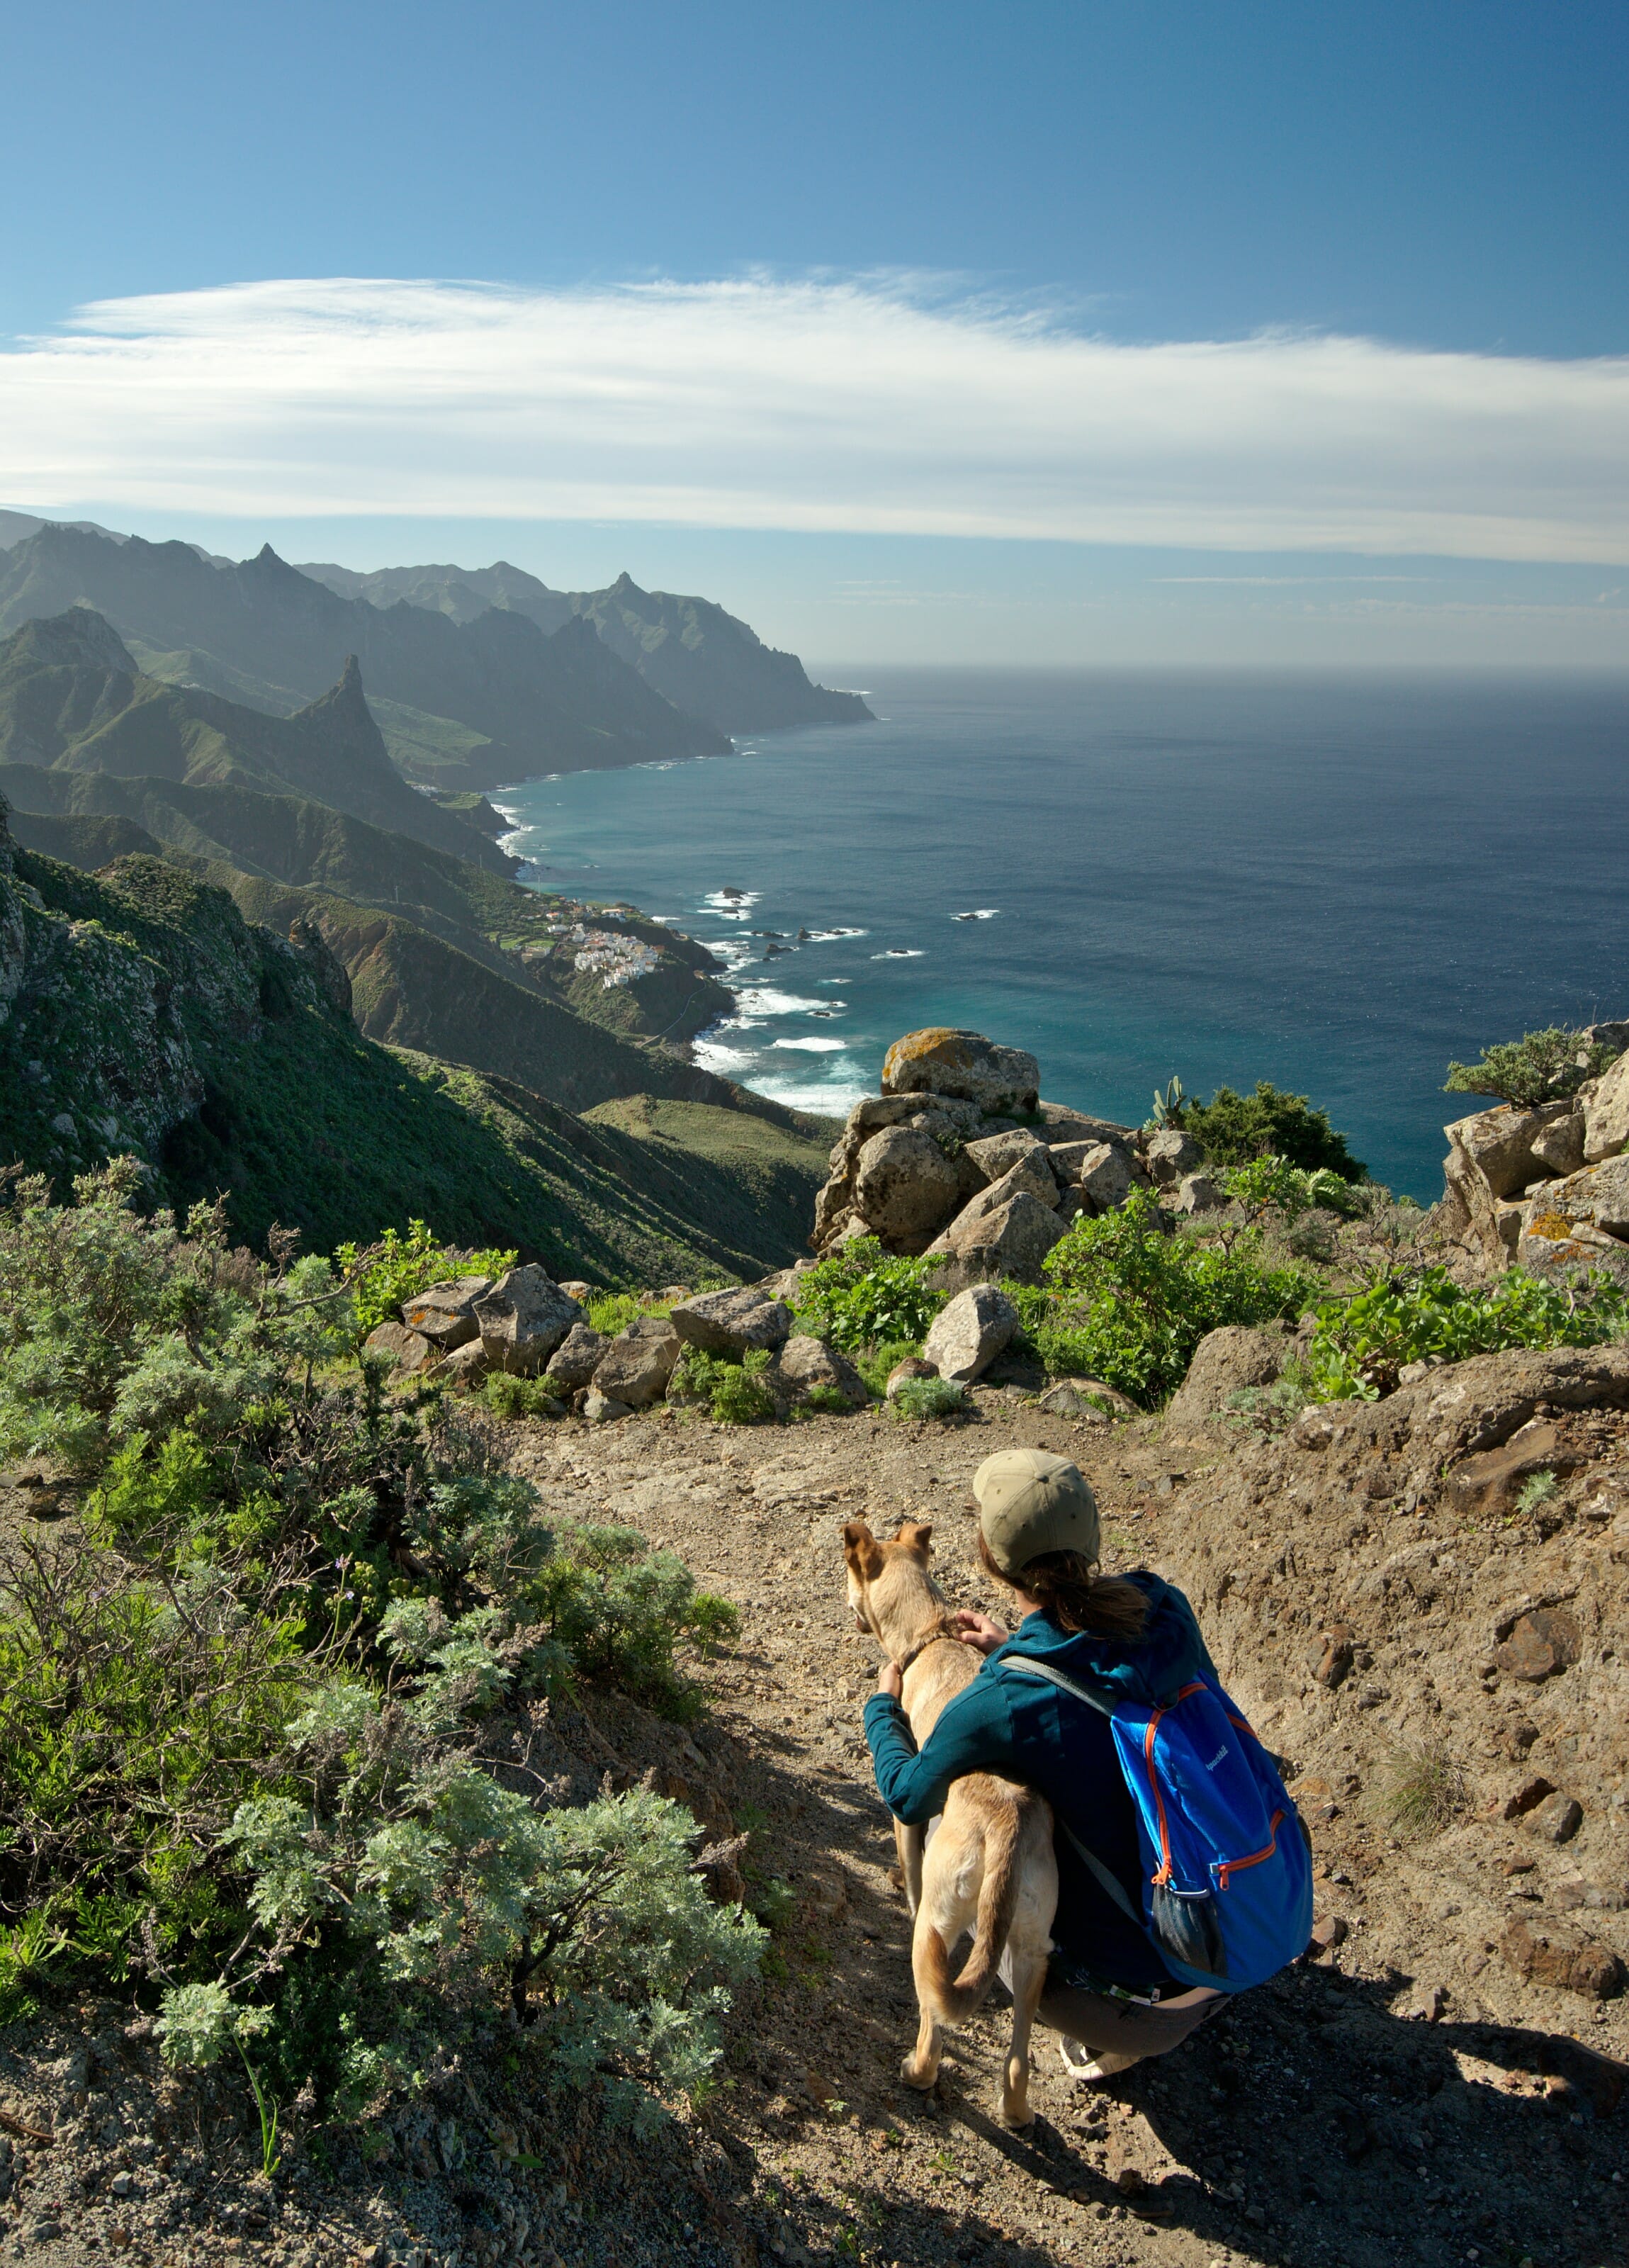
<point x="978" y="1630"/>
<point x="890" y="1682"/>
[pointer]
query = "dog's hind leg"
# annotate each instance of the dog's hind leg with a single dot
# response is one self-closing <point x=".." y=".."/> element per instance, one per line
<point x="949" y="1900"/>
<point x="908" y="1843"/>
<point x="1029" y="1947"/>
<point x="1028" y="1981"/>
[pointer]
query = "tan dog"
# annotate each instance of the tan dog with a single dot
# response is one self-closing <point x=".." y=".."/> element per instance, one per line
<point x="988" y="1862"/>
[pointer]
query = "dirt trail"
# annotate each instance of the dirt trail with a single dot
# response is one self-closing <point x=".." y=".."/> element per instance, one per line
<point x="1324" y="2118"/>
<point x="1406" y="2097"/>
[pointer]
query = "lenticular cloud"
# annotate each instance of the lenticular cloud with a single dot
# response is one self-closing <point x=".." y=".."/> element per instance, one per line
<point x="865" y="406"/>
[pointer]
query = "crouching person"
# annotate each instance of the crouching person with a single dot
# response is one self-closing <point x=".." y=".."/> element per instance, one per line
<point x="1183" y="1872"/>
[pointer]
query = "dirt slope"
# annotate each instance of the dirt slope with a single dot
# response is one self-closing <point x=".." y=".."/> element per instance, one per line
<point x="1328" y="2118"/>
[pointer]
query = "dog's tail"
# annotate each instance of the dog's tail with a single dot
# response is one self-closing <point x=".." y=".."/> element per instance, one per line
<point x="998" y="1896"/>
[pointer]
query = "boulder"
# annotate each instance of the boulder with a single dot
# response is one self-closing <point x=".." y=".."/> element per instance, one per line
<point x="636" y="1367"/>
<point x="805" y="1363"/>
<point x="970" y="1332"/>
<point x="1105" y="1176"/>
<point x="1597" y="1197"/>
<point x="576" y="1358"/>
<point x="575" y="1289"/>
<point x="1604" y="1107"/>
<point x="1224" y="1362"/>
<point x="1549" y="1956"/>
<point x="1559" y="1147"/>
<point x="465" y="1366"/>
<point x="1197" y="1194"/>
<point x="446" y="1313"/>
<point x="407" y="1350"/>
<point x="1065" y="1399"/>
<point x="905" y="1188"/>
<point x="996" y="1154"/>
<point x="1550" y="1245"/>
<point x="1061" y="1124"/>
<point x="940" y="1061"/>
<point x="522" y="1319"/>
<point x="604" y="1409"/>
<point x="1013" y="1240"/>
<point x="1088" y="1391"/>
<point x="1171" y="1154"/>
<point x="913" y="1366"/>
<point x="1031" y="1175"/>
<point x="730" y="1323"/>
<point x="1499" y="1142"/>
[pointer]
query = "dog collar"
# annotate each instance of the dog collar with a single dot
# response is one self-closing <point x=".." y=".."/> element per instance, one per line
<point x="932" y="1638"/>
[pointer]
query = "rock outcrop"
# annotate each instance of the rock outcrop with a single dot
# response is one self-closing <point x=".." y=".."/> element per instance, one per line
<point x="522" y="1319"/>
<point x="1545" y="1188"/>
<point x="959" y="1156"/>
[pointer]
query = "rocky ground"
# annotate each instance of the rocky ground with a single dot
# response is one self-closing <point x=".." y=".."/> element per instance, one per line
<point x="1441" y="2083"/>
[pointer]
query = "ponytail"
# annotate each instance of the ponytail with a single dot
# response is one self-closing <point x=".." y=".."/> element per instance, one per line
<point x="1068" y="1592"/>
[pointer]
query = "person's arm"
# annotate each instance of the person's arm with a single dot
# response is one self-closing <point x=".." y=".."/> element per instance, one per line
<point x="973" y="1734"/>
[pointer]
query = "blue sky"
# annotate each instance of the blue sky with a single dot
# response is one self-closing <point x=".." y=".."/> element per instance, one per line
<point x="1076" y="333"/>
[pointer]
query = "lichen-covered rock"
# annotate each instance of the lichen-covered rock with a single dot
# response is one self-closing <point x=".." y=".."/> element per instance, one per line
<point x="732" y="1321"/>
<point x="466" y="1367"/>
<point x="940" y="1061"/>
<point x="1604" y="1107"/>
<point x="636" y="1367"/>
<point x="1224" y="1362"/>
<point x="576" y="1358"/>
<point x="446" y="1313"/>
<point x="1104" y="1176"/>
<point x="995" y="1155"/>
<point x="970" y="1332"/>
<point x="1598" y="1196"/>
<point x="407" y="1350"/>
<point x="1013" y="1240"/>
<point x="805" y="1363"/>
<point x="522" y="1319"/>
<point x="1031" y="1177"/>
<point x="905" y="1188"/>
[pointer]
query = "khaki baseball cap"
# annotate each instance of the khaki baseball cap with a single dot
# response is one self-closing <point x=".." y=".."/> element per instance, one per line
<point x="1031" y="1502"/>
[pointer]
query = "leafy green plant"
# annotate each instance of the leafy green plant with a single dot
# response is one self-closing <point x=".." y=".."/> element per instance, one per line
<point x="521" y="1398"/>
<point x="930" y="1397"/>
<point x="1271" y="1408"/>
<point x="1131" y="1301"/>
<point x="826" y="1401"/>
<point x="734" y="1391"/>
<point x="1269" y="1122"/>
<point x="1544" y="1066"/>
<point x="1273" y="1185"/>
<point x="611" y="1312"/>
<point x="861" y="1296"/>
<point x="396" y="1268"/>
<point x="1536" y="1490"/>
<point x="1364" y="1339"/>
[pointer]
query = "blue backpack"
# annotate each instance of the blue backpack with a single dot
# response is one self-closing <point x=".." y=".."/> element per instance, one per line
<point x="1227" y="1875"/>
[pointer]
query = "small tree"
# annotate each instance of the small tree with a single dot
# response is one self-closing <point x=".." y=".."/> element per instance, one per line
<point x="1544" y="1066"/>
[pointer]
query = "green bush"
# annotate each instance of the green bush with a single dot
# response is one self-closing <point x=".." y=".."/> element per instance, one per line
<point x="398" y="1268"/>
<point x="875" y="1364"/>
<point x="862" y="1296"/>
<point x="611" y="1312"/>
<point x="1270" y="1122"/>
<point x="1539" y="1067"/>
<point x="521" y="1398"/>
<point x="930" y="1397"/>
<point x="1130" y="1302"/>
<point x="1271" y="1185"/>
<point x="238" y="1743"/>
<point x="733" y="1388"/>
<point x="1363" y="1341"/>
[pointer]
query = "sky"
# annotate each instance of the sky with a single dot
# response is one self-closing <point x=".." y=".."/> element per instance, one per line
<point x="1071" y="333"/>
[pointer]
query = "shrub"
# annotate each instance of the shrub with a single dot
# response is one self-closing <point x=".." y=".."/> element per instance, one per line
<point x="242" y="1711"/>
<point x="735" y="1390"/>
<point x="1363" y="1340"/>
<point x="930" y="1397"/>
<point x="1132" y="1302"/>
<point x="1536" y="1490"/>
<point x="396" y="1268"/>
<point x="1539" y="1067"/>
<point x="521" y="1398"/>
<point x="1270" y="1122"/>
<point x="1271" y="1185"/>
<point x="862" y="1296"/>
<point x="876" y="1364"/>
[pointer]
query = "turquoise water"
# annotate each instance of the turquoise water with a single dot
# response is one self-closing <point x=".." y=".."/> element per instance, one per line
<point x="1334" y="884"/>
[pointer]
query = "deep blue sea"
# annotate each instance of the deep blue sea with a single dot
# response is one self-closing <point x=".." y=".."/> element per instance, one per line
<point x="1333" y="883"/>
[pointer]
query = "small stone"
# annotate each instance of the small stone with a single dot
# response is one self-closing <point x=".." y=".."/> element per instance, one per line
<point x="1528" y="1797"/>
<point x="1551" y="1957"/>
<point x="1331" y="1931"/>
<point x="604" y="1409"/>
<point x="1558" y="1818"/>
<point x="1540" y="1645"/>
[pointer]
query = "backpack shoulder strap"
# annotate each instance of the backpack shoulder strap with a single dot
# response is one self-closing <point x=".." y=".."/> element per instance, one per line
<point x="1109" y="1883"/>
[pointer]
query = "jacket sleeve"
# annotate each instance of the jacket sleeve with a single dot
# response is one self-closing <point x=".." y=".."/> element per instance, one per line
<point x="973" y="1734"/>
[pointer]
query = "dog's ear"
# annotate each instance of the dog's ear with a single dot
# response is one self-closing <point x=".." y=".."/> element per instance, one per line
<point x="862" y="1550"/>
<point x="917" y="1537"/>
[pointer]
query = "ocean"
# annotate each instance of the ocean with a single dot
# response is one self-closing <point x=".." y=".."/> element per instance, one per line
<point x="1334" y="883"/>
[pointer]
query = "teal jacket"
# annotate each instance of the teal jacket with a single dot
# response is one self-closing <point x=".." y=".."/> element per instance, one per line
<point x="1028" y="1731"/>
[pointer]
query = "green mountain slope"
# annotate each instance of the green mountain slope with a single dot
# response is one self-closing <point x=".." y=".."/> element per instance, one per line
<point x="141" y="1013"/>
<point x="72" y="701"/>
<point x="707" y="662"/>
<point x="260" y="630"/>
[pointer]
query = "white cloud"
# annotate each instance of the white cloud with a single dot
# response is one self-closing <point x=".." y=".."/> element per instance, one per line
<point x="860" y="406"/>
